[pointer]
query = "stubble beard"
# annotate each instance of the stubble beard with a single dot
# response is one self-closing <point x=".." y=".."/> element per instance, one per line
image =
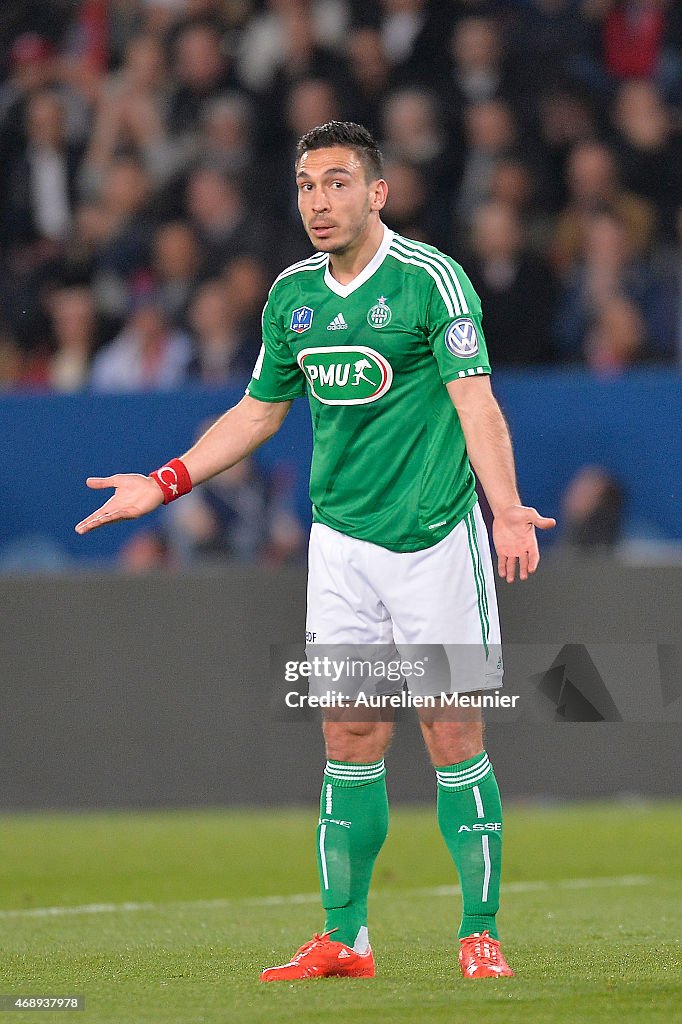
<point x="341" y="249"/>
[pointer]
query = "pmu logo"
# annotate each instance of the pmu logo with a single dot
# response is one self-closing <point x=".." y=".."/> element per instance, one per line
<point x="340" y="375"/>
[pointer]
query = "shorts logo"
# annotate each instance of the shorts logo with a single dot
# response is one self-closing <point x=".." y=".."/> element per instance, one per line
<point x="301" y="319"/>
<point x="380" y="315"/>
<point x="344" y="375"/>
<point x="461" y="338"/>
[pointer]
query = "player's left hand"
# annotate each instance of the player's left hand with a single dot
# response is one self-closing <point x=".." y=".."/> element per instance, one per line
<point x="514" y="537"/>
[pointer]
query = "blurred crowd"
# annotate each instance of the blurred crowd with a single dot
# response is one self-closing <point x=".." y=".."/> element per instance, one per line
<point x="147" y="186"/>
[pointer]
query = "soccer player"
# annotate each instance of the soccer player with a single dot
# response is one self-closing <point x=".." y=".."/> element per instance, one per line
<point x="384" y="335"/>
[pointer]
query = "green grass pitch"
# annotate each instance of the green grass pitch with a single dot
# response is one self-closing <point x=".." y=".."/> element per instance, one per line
<point x="167" y="918"/>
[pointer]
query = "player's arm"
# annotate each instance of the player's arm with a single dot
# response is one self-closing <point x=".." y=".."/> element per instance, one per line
<point x="491" y="455"/>
<point x="235" y="435"/>
<point x="238" y="432"/>
<point x="276" y="380"/>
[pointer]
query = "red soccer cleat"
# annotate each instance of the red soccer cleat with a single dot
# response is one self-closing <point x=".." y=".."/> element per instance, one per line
<point x="481" y="957"/>
<point x="322" y="958"/>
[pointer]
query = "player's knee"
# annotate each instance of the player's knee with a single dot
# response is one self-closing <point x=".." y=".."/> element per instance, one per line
<point x="357" y="741"/>
<point x="452" y="742"/>
<point x="363" y="729"/>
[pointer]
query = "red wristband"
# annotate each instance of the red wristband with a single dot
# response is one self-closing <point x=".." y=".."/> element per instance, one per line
<point x="173" y="479"/>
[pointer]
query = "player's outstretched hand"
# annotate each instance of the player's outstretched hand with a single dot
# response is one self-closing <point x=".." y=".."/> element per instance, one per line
<point x="135" y="495"/>
<point x="514" y="537"/>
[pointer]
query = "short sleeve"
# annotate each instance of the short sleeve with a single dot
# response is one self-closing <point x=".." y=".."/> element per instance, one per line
<point x="276" y="376"/>
<point x="454" y="325"/>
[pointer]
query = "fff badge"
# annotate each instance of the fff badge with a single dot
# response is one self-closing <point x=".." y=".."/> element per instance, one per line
<point x="301" y="319"/>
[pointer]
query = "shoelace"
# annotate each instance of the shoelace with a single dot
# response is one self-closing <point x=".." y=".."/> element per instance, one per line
<point x="317" y="940"/>
<point x="482" y="946"/>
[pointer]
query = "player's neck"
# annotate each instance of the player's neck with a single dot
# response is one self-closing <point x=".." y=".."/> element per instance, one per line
<point x="345" y="266"/>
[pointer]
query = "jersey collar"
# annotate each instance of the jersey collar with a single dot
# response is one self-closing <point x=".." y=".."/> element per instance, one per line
<point x="344" y="290"/>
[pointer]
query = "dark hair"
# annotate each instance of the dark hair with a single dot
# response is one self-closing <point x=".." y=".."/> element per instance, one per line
<point x="345" y="133"/>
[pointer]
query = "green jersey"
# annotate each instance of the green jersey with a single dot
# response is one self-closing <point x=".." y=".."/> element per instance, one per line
<point x="389" y="459"/>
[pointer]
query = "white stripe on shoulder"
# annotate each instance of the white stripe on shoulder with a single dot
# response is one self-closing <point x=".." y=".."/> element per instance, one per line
<point x="312" y="263"/>
<point x="426" y="257"/>
<point x="445" y="293"/>
<point x="441" y="259"/>
<point x="314" y="258"/>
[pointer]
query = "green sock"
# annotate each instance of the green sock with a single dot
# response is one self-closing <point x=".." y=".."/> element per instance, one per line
<point x="352" y="828"/>
<point x="470" y="819"/>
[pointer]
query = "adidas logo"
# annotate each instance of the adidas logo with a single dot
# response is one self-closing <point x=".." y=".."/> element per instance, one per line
<point x="344" y="952"/>
<point x="338" y="323"/>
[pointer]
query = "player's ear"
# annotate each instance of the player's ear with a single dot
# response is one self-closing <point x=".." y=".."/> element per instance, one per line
<point x="378" y="194"/>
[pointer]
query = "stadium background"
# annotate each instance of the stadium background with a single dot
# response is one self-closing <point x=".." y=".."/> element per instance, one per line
<point x="147" y="202"/>
<point x="145" y="153"/>
<point x="145" y="168"/>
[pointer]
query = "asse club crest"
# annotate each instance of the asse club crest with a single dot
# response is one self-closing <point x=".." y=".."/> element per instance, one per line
<point x="380" y="315"/>
<point x="344" y="375"/>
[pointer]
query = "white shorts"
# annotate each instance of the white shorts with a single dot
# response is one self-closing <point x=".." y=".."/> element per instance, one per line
<point x="400" y="605"/>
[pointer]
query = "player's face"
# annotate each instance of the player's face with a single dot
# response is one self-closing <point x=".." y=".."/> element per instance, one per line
<point x="335" y="199"/>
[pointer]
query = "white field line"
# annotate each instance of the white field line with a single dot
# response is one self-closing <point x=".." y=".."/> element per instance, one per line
<point x="621" y="881"/>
